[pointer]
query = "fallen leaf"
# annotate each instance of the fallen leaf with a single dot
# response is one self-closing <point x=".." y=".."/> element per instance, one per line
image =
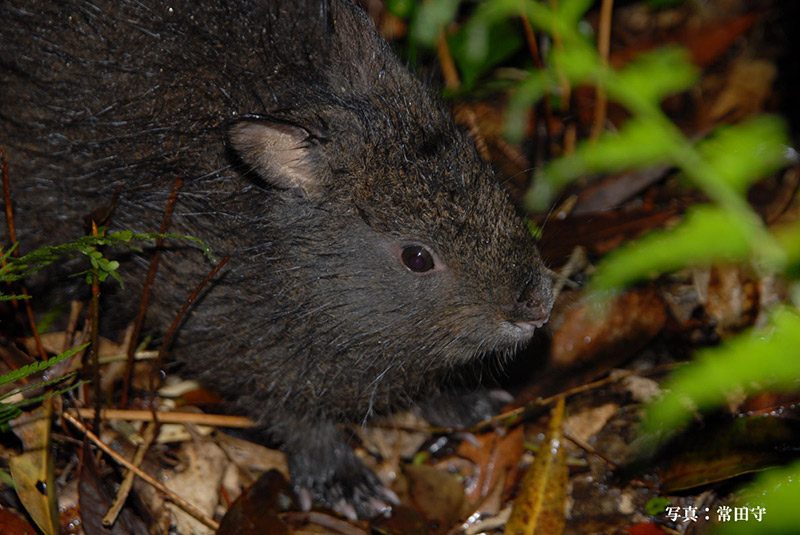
<point x="403" y="520"/>
<point x="624" y="326"/>
<point x="437" y="495"/>
<point x="725" y="449"/>
<point x="256" y="510"/>
<point x="11" y="524"/>
<point x="319" y="522"/>
<point x="598" y="232"/>
<point x="495" y="457"/>
<point x="33" y="470"/>
<point x="588" y="423"/>
<point x="747" y="88"/>
<point x="731" y="299"/>
<point x="705" y="43"/>
<point x="95" y="498"/>
<point x="199" y="483"/>
<point x="539" y="506"/>
<point x="644" y="529"/>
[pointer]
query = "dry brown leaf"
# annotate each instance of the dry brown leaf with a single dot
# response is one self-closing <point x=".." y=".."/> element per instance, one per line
<point x="539" y="506"/>
<point x="257" y="509"/>
<point x="11" y="524"/>
<point x="625" y="325"/>
<point x="437" y="495"/>
<point x="54" y="343"/>
<point x="95" y="498"/>
<point x="588" y="423"/>
<point x="199" y="482"/>
<point x="33" y="470"/>
<point x="747" y="88"/>
<point x="495" y="456"/>
<point x="251" y="456"/>
<point x="731" y="299"/>
<point x="705" y="43"/>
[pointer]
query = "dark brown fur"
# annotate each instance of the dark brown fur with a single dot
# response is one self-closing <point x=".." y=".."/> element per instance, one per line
<point x="312" y="157"/>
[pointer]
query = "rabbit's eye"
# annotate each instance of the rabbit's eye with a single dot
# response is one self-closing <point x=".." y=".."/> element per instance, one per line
<point x="417" y="258"/>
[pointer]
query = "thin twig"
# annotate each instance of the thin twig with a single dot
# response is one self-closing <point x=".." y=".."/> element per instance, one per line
<point x="149" y="436"/>
<point x="471" y="119"/>
<point x="570" y="130"/>
<point x="533" y="48"/>
<point x="148" y="285"/>
<point x="95" y="346"/>
<point x="12" y="237"/>
<point x="174" y="498"/>
<point x="603" y="48"/>
<point x="588" y="448"/>
<point x="174" y="328"/>
<point x="75" y="308"/>
<point x="515" y="414"/>
<point x="218" y="420"/>
<point x="449" y="70"/>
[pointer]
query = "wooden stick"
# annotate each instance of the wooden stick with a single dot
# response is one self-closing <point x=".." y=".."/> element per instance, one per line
<point x="446" y="62"/>
<point x="127" y="483"/>
<point x="218" y="420"/>
<point x="12" y="237"/>
<point x="148" y="284"/>
<point x="174" y="498"/>
<point x="175" y="322"/>
<point x="603" y="47"/>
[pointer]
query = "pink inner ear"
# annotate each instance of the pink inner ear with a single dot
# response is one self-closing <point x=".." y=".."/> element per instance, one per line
<point x="280" y="153"/>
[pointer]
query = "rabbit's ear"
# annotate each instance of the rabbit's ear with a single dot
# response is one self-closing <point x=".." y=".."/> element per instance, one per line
<point x="284" y="155"/>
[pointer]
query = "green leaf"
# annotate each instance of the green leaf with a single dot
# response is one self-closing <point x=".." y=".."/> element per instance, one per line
<point x="4" y="422"/>
<point x="777" y="492"/>
<point x="6" y="478"/>
<point x="580" y="62"/>
<point x="19" y="268"/>
<point x="744" y="153"/>
<point x="431" y="17"/>
<point x="656" y="506"/>
<point x="34" y="367"/>
<point x="400" y="8"/>
<point x="35" y="385"/>
<point x="653" y="76"/>
<point x="491" y="11"/>
<point x="13" y="297"/>
<point x="479" y="47"/>
<point x="757" y="360"/>
<point x="526" y="93"/>
<point x="640" y="143"/>
<point x="707" y="233"/>
<point x="122" y="235"/>
<point x="570" y="12"/>
<point x="789" y="238"/>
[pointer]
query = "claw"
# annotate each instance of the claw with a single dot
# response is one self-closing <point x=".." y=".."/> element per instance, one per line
<point x="389" y="496"/>
<point x="304" y="497"/>
<point x="346" y="509"/>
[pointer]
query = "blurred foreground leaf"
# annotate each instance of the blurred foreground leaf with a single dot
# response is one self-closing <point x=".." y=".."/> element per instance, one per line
<point x="473" y="55"/>
<point x="707" y="233"/>
<point x="776" y="493"/>
<point x="760" y="359"/>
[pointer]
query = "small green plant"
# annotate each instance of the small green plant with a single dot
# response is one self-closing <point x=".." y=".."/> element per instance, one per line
<point x="10" y="410"/>
<point x="100" y="269"/>
<point x="17" y="268"/>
